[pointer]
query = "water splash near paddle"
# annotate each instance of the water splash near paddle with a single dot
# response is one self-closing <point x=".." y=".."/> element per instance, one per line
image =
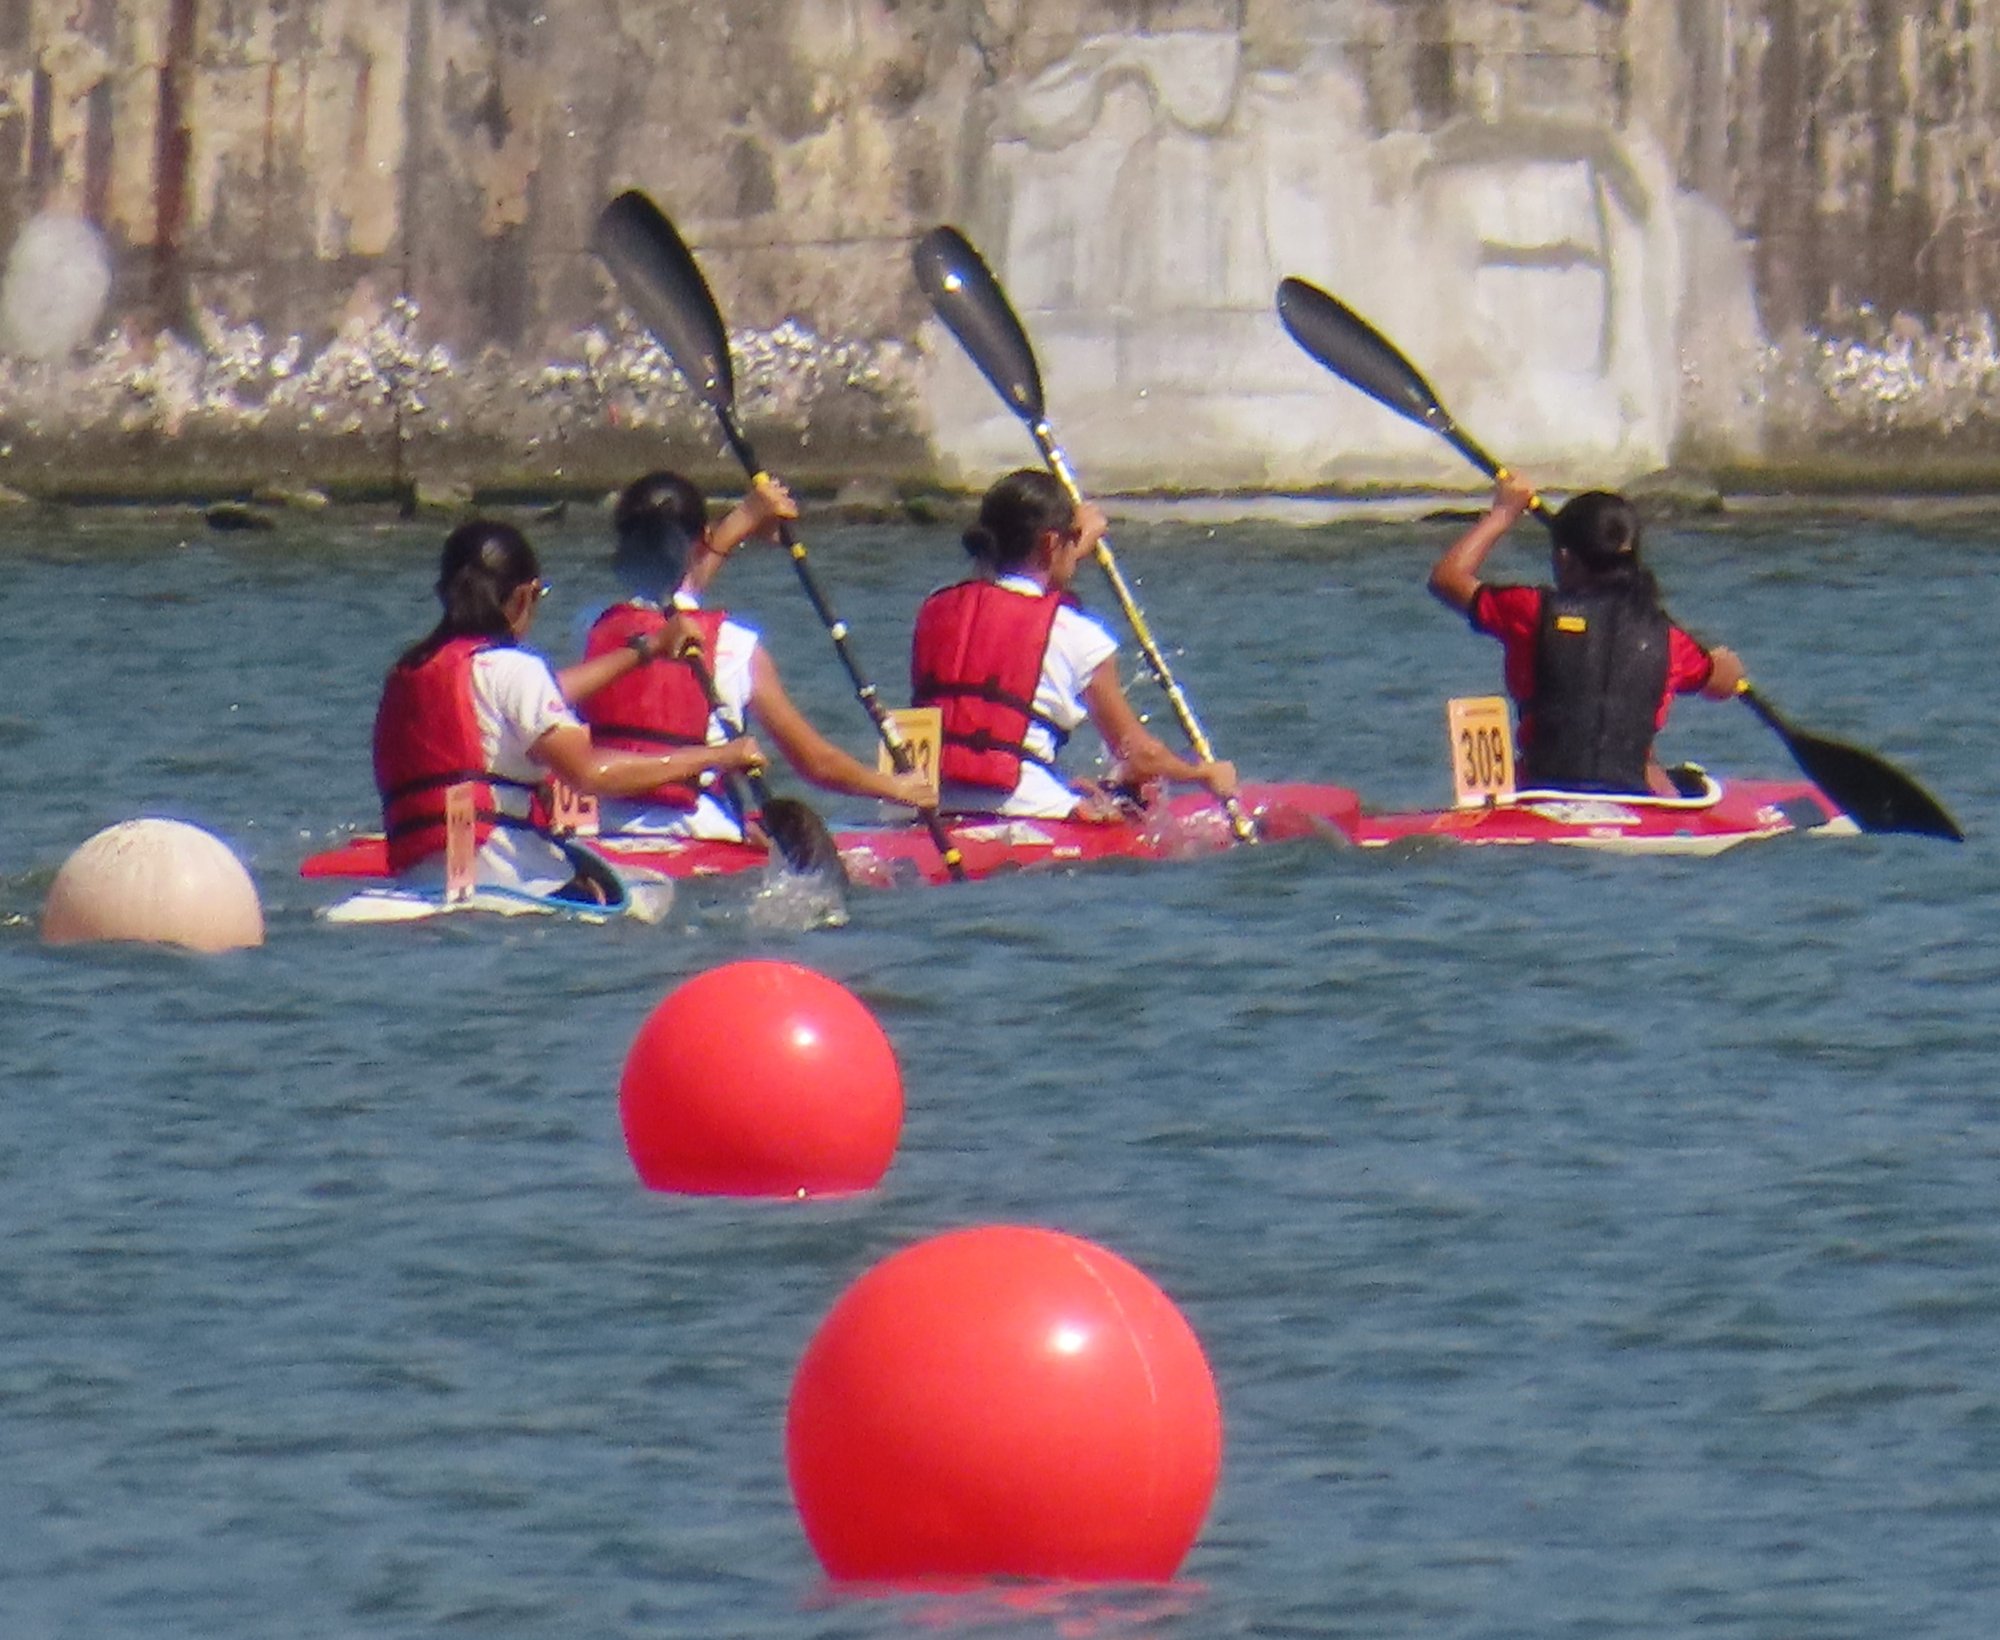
<point x="793" y="902"/>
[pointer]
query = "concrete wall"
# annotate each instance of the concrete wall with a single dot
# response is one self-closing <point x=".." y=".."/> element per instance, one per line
<point x="342" y="241"/>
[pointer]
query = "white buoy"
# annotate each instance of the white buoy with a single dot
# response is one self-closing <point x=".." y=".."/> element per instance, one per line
<point x="52" y="294"/>
<point x="159" y="881"/>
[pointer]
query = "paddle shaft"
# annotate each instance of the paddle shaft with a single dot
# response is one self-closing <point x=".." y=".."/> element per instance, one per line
<point x="691" y="655"/>
<point x="836" y="629"/>
<point x="1197" y="738"/>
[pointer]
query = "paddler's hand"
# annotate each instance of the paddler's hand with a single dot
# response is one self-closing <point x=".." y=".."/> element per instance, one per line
<point x="1512" y="496"/>
<point x="914" y="790"/>
<point x="1088" y="525"/>
<point x="1219" y="777"/>
<point x="739" y="756"/>
<point x="1098" y="806"/>
<point x="669" y="642"/>
<point x="768" y="505"/>
<point x="1725" y="675"/>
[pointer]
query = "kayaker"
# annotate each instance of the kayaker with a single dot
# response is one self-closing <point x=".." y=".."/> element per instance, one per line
<point x="1015" y="664"/>
<point x="1593" y="662"/>
<point x="666" y="554"/>
<point x="469" y="704"/>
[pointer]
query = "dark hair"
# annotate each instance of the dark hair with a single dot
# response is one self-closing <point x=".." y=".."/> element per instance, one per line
<point x="1014" y="513"/>
<point x="1600" y="531"/>
<point x="484" y="563"/>
<point x="658" y="519"/>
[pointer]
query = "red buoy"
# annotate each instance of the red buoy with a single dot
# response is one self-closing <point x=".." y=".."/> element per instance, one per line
<point x="761" y="1079"/>
<point x="1003" y="1402"/>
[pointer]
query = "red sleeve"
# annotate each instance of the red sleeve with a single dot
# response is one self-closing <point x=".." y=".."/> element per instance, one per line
<point x="1514" y="616"/>
<point x="1504" y="612"/>
<point x="1689" y="666"/>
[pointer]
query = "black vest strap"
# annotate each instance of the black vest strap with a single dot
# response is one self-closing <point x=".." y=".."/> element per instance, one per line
<point x="984" y="740"/>
<point x="484" y="817"/>
<point x="456" y="777"/>
<point x="929" y="689"/>
<point x="645" y="736"/>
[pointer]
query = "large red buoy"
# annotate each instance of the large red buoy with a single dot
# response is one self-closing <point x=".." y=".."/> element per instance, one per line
<point x="1003" y="1402"/>
<point x="161" y="882"/>
<point x="761" y="1079"/>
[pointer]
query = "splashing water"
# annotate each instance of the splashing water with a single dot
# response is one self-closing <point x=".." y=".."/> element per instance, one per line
<point x="788" y="901"/>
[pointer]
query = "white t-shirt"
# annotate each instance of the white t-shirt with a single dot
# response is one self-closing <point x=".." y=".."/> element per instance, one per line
<point x="515" y="701"/>
<point x="1078" y="646"/>
<point x="735" y="644"/>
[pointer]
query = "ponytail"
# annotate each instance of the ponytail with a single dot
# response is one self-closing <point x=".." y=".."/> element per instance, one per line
<point x="658" y="518"/>
<point x="1600" y="532"/>
<point x="484" y="563"/>
<point x="1014" y="514"/>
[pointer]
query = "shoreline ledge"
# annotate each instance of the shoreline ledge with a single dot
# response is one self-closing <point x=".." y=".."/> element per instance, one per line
<point x="869" y="493"/>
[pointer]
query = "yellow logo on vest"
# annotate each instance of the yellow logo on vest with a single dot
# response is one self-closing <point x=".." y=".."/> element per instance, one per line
<point x="1571" y="623"/>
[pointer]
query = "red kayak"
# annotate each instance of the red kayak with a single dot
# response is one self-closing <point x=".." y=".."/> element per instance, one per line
<point x="887" y="856"/>
<point x="1191" y="823"/>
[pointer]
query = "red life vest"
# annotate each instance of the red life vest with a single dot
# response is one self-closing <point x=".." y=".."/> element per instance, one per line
<point x="977" y="655"/>
<point x="658" y="704"/>
<point x="427" y="740"/>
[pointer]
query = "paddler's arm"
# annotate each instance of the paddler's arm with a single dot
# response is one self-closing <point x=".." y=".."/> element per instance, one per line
<point x="1725" y="674"/>
<point x="815" y="757"/>
<point x="1455" y="576"/>
<point x="568" y="752"/>
<point x="760" y="512"/>
<point x="585" y="678"/>
<point x="1143" y="755"/>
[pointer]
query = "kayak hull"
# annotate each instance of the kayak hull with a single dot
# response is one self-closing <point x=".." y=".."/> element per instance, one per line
<point x="888" y="856"/>
<point x="1193" y="824"/>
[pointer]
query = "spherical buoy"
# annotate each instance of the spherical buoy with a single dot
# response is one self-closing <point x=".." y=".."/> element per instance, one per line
<point x="57" y="279"/>
<point x="160" y="881"/>
<point x="761" y="1079"/>
<point x="1003" y="1402"/>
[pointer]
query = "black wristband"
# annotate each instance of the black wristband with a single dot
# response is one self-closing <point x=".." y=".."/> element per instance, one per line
<point x="640" y="646"/>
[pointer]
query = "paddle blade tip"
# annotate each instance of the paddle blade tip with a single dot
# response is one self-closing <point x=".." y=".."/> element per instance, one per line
<point x="967" y="298"/>
<point x="658" y="279"/>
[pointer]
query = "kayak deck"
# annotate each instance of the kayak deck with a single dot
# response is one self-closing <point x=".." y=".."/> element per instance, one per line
<point x="646" y="902"/>
<point x="1739" y="811"/>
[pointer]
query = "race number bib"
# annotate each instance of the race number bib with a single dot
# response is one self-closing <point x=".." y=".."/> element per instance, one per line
<point x="571" y="813"/>
<point x="922" y="731"/>
<point x="1482" y="750"/>
<point x="461" y="843"/>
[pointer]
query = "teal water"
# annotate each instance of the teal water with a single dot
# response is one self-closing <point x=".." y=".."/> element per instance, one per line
<point x="1583" y="1246"/>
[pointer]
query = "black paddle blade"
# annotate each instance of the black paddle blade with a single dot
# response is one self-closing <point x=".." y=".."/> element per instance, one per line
<point x="967" y="297"/>
<point x="802" y="840"/>
<point x="1358" y="353"/>
<point x="658" y="278"/>
<point x="1870" y="791"/>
